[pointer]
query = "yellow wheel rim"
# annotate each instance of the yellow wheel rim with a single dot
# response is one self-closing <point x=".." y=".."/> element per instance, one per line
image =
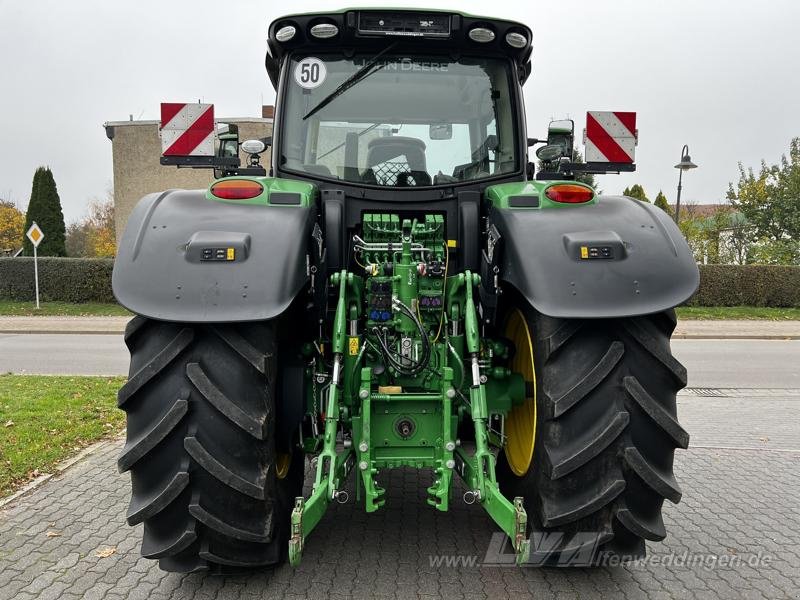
<point x="282" y="464"/>
<point x="521" y="421"/>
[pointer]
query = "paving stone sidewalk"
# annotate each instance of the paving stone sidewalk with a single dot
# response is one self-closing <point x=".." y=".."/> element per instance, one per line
<point x="736" y="534"/>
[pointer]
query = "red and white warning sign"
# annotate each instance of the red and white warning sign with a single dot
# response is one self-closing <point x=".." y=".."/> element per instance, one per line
<point x="610" y="136"/>
<point x="187" y="129"/>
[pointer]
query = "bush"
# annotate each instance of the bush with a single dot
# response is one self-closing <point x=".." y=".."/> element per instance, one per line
<point x="748" y="285"/>
<point x="89" y="280"/>
<point x="60" y="279"/>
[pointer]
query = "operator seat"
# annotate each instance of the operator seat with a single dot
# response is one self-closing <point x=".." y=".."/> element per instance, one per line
<point x="396" y="161"/>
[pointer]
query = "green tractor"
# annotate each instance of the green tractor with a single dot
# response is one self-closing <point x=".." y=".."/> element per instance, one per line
<point x="399" y="289"/>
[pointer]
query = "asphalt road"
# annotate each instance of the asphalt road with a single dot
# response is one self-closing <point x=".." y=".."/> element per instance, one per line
<point x="711" y="363"/>
<point x="63" y="354"/>
<point x="740" y="363"/>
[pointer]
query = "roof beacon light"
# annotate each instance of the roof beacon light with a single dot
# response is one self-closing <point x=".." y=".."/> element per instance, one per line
<point x="516" y="40"/>
<point x="285" y="33"/>
<point x="482" y="35"/>
<point x="323" y="31"/>
<point x="569" y="193"/>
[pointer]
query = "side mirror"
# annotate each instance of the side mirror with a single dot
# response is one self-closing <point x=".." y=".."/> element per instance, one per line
<point x="440" y="131"/>
<point x="227" y="149"/>
<point x="549" y="152"/>
<point x="562" y="126"/>
<point x="228" y="135"/>
<point x="562" y="134"/>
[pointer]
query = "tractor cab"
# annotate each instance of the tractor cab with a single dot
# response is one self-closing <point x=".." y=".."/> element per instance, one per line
<point x="388" y="99"/>
<point x="411" y="121"/>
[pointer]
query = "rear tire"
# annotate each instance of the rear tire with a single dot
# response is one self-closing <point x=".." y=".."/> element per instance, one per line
<point x="606" y="435"/>
<point x="201" y="445"/>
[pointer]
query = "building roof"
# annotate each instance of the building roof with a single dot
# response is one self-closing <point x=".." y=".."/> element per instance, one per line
<point x="705" y="210"/>
<point x="130" y="123"/>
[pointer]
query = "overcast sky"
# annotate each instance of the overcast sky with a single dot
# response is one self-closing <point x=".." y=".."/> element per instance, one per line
<point x="718" y="75"/>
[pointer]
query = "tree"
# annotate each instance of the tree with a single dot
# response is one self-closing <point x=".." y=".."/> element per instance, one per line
<point x="661" y="202"/>
<point x="102" y="236"/>
<point x="735" y="244"/>
<point x="692" y="229"/>
<point x="636" y="191"/>
<point x="587" y="178"/>
<point x="77" y="240"/>
<point x="45" y="208"/>
<point x="770" y="204"/>
<point x="12" y="227"/>
<point x="94" y="236"/>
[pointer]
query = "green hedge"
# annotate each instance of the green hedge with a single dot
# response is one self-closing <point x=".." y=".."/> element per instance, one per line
<point x="748" y="285"/>
<point x="89" y="280"/>
<point x="60" y="279"/>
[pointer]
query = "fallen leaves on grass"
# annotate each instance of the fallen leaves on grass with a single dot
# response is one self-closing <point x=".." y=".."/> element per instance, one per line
<point x="106" y="552"/>
<point x="48" y="424"/>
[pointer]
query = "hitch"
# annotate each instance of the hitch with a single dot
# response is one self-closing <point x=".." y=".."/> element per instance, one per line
<point x="332" y="467"/>
<point x="394" y="428"/>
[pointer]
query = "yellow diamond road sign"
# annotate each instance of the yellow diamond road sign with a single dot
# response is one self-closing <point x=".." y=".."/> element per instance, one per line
<point x="35" y="234"/>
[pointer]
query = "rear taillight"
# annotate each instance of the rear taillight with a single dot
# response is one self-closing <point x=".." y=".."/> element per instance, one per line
<point x="237" y="189"/>
<point x="569" y="193"/>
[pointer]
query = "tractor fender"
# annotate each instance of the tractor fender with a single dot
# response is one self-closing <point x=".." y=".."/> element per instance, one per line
<point x="185" y="258"/>
<point x="617" y="257"/>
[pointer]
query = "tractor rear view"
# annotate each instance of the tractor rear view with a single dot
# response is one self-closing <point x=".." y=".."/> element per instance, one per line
<point x="400" y="289"/>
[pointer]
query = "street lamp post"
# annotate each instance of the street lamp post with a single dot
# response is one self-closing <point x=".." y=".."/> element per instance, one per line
<point x="685" y="164"/>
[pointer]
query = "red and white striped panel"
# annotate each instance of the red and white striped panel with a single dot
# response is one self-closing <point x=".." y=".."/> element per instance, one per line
<point x="610" y="136"/>
<point x="187" y="129"/>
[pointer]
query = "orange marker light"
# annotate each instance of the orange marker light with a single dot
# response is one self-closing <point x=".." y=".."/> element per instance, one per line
<point x="237" y="189"/>
<point x="569" y="193"/>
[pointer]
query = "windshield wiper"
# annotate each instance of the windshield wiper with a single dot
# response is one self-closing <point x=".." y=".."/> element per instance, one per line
<point x="359" y="75"/>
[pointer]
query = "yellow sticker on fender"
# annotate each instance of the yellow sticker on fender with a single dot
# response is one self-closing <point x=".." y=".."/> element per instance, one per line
<point x="352" y="344"/>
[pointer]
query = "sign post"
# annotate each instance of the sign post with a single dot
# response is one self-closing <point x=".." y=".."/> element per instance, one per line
<point x="35" y="235"/>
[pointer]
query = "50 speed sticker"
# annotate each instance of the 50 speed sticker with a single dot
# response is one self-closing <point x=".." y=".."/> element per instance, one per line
<point x="310" y="73"/>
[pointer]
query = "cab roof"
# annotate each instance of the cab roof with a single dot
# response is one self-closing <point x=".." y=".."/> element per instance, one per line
<point x="421" y="31"/>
